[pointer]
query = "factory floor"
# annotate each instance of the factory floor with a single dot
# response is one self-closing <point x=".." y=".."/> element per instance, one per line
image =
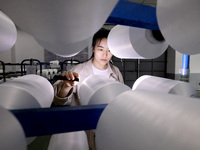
<point x="40" y="143"/>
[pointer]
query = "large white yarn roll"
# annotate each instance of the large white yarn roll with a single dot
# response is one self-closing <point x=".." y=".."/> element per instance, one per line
<point x="14" y="97"/>
<point x="8" y="32"/>
<point x="134" y="43"/>
<point x="144" y="120"/>
<point x="152" y="83"/>
<point x="97" y="89"/>
<point x="37" y="86"/>
<point x="12" y="135"/>
<point x="29" y="91"/>
<point x="63" y="27"/>
<point x="69" y="141"/>
<point x="179" y="23"/>
<point x="71" y="49"/>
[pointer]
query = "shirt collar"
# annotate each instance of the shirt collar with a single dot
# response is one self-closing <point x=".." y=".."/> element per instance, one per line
<point x="109" y="68"/>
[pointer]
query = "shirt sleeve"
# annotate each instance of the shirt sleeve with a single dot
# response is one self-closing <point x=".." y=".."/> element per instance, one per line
<point x="121" y="78"/>
<point x="58" y="100"/>
<point x="117" y="73"/>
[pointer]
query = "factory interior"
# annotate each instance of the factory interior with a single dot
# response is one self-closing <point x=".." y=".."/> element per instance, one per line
<point x="155" y="44"/>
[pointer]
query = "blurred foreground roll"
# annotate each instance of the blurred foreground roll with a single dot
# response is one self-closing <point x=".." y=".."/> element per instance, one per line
<point x="179" y="23"/>
<point x="12" y="135"/>
<point x="27" y="91"/>
<point x="136" y="43"/>
<point x="98" y="89"/>
<point x="15" y="97"/>
<point x="158" y="84"/>
<point x="69" y="141"/>
<point x="8" y="32"/>
<point x="65" y="27"/>
<point x="146" y="120"/>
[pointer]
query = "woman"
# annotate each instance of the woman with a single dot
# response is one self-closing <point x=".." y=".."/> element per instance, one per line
<point x="66" y="93"/>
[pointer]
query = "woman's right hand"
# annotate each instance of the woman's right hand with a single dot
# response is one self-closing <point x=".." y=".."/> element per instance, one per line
<point x="67" y="87"/>
<point x="70" y="76"/>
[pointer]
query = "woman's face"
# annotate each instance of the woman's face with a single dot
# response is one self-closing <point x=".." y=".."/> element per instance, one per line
<point x="102" y="54"/>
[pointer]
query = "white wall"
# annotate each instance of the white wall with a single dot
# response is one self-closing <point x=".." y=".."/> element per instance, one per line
<point x="6" y="56"/>
<point x="25" y="48"/>
<point x="195" y="63"/>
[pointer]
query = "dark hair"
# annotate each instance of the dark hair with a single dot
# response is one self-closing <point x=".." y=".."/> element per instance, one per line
<point x="99" y="35"/>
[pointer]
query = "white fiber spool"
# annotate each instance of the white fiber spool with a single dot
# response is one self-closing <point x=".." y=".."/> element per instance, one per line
<point x="29" y="91"/>
<point x="8" y="32"/>
<point x="37" y="86"/>
<point x="12" y="135"/>
<point x="63" y="27"/>
<point x="97" y="89"/>
<point x="152" y="83"/>
<point x="144" y="120"/>
<point x="134" y="43"/>
<point x="15" y="97"/>
<point x="69" y="141"/>
<point x="179" y="23"/>
<point x="71" y="50"/>
<point x="54" y="64"/>
<point x="44" y="73"/>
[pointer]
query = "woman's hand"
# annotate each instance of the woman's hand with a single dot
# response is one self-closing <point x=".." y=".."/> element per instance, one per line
<point x="70" y="76"/>
<point x="66" y="88"/>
